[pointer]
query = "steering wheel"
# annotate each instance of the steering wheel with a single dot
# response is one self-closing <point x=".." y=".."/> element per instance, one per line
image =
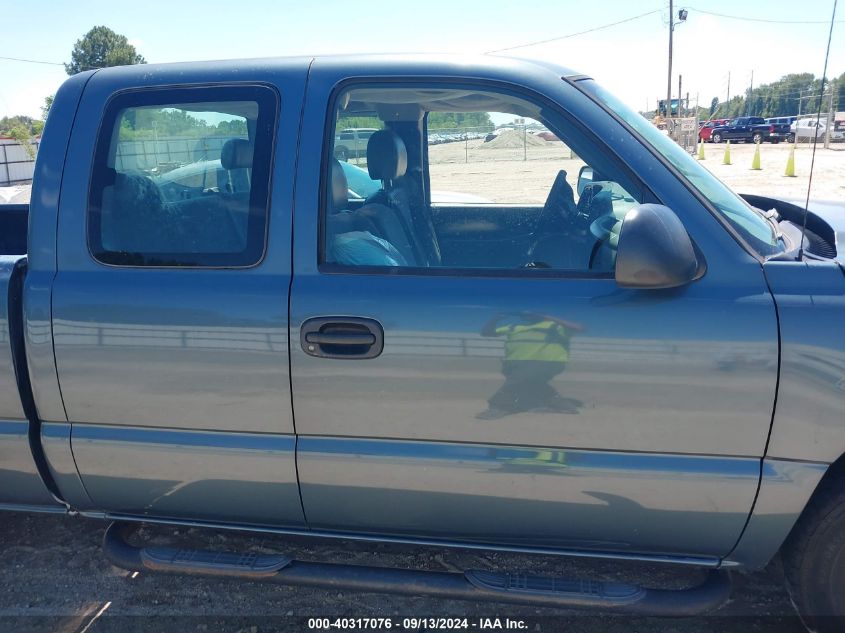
<point x="602" y="227"/>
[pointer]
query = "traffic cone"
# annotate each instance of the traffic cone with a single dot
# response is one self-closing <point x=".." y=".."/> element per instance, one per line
<point x="755" y="162"/>
<point x="727" y="159"/>
<point x="701" y="150"/>
<point x="790" y="163"/>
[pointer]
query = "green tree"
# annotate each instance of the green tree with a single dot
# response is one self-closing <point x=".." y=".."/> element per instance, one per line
<point x="22" y="128"/>
<point x="450" y="120"/>
<point x="714" y="105"/>
<point x="839" y="93"/>
<point x="48" y="103"/>
<point x="100" y="48"/>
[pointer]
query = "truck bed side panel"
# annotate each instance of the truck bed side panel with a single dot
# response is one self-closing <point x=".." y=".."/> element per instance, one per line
<point x="20" y="482"/>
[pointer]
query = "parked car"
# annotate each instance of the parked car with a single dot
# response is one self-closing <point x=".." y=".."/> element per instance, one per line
<point x="806" y="129"/>
<point x="642" y="366"/>
<point x="201" y="178"/>
<point x="706" y="128"/>
<point x="750" y="129"/>
<point x="780" y="120"/>
<point x="490" y="136"/>
<point x="352" y="142"/>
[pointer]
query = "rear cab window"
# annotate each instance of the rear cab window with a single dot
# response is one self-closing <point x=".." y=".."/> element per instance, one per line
<point x="181" y="177"/>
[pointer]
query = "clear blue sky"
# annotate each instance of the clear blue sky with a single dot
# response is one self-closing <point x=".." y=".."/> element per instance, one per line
<point x="630" y="58"/>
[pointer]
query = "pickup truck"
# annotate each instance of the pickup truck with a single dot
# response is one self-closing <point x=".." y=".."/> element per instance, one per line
<point x="352" y="143"/>
<point x="751" y="129"/>
<point x="643" y="366"/>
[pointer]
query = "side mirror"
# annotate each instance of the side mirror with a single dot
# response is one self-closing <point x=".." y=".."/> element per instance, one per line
<point x="654" y="250"/>
<point x="585" y="178"/>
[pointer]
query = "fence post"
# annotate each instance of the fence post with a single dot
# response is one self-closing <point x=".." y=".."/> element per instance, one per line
<point x="8" y="180"/>
<point x="524" y="142"/>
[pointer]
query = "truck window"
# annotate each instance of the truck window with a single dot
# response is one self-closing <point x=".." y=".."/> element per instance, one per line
<point x="181" y="178"/>
<point x="465" y="178"/>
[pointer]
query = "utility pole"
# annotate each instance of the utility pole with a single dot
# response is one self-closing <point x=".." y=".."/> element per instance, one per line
<point x="669" y="76"/>
<point x="680" y="83"/>
<point x="831" y="87"/>
<point x="748" y="111"/>
<point x="728" y="100"/>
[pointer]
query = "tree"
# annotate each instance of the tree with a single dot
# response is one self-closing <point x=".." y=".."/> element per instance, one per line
<point x="22" y="129"/>
<point x="839" y="92"/>
<point x="100" y="48"/>
<point x="714" y="104"/>
<point x="48" y="103"/>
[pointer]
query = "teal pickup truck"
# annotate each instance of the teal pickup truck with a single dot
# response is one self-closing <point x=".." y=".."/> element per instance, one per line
<point x="601" y="353"/>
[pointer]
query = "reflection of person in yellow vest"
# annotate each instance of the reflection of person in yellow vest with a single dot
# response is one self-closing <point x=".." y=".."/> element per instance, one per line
<point x="536" y="350"/>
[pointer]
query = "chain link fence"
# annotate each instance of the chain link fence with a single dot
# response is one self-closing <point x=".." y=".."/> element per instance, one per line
<point x="684" y="131"/>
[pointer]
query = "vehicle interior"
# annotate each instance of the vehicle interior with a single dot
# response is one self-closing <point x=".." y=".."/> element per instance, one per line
<point x="193" y="198"/>
<point x="576" y="228"/>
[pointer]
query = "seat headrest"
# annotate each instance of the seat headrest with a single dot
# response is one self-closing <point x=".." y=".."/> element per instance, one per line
<point x="236" y="153"/>
<point x="338" y="187"/>
<point x="387" y="157"/>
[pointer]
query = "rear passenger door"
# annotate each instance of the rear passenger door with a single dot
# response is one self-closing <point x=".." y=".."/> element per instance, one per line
<point x="170" y="302"/>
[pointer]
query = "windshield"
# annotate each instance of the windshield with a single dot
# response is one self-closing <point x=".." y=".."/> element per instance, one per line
<point x="750" y="224"/>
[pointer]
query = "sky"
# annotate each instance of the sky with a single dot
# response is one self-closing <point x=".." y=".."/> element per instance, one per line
<point x="630" y="59"/>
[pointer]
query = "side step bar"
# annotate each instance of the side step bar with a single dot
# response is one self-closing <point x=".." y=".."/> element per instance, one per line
<point x="470" y="585"/>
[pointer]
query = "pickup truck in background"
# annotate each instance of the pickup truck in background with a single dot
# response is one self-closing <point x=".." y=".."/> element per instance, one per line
<point x="750" y="129"/>
<point x="640" y="365"/>
<point x="352" y="143"/>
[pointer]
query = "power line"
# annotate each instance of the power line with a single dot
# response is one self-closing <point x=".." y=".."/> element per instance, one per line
<point x="748" y="19"/>
<point x="30" y="61"/>
<point x="563" y="37"/>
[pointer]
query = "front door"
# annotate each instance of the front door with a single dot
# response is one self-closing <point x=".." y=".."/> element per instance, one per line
<point x="170" y="303"/>
<point x="518" y="394"/>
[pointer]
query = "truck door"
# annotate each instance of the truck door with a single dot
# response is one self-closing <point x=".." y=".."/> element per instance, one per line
<point x="464" y="364"/>
<point x="170" y="302"/>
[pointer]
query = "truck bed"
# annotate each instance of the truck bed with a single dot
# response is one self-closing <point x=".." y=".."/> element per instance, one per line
<point x="13" y="228"/>
<point x="19" y="472"/>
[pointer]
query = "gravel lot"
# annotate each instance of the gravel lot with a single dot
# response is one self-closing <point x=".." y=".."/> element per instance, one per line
<point x="511" y="175"/>
<point x="55" y="578"/>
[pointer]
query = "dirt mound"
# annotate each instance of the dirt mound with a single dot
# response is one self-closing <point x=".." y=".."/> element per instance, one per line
<point x="510" y="139"/>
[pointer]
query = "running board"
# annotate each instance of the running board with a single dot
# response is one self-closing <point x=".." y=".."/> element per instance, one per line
<point x="470" y="585"/>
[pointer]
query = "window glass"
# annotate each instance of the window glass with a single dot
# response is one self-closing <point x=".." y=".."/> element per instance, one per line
<point x="183" y="182"/>
<point x="467" y="178"/>
<point x="750" y="224"/>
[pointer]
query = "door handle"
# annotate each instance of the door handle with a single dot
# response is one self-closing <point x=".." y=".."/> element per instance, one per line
<point x="342" y="337"/>
<point x="350" y="338"/>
